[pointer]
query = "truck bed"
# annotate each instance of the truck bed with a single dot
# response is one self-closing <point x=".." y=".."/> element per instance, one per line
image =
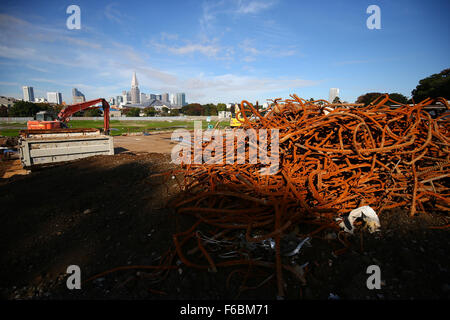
<point x="38" y="147"/>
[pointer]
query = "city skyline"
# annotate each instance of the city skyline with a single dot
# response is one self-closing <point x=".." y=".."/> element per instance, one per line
<point x="221" y="51"/>
<point x="133" y="97"/>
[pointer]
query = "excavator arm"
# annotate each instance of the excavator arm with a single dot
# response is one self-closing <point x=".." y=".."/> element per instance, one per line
<point x="68" y="111"/>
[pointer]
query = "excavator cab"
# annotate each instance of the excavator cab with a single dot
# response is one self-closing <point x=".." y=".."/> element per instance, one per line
<point x="45" y="120"/>
<point x="45" y="116"/>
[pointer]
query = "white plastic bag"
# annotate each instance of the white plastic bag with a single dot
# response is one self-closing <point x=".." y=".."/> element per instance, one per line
<point x="367" y="214"/>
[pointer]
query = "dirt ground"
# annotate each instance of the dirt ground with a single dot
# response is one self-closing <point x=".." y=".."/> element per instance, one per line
<point x="104" y="212"/>
<point x="154" y="142"/>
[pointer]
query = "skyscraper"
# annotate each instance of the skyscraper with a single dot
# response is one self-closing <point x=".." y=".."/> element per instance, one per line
<point x="54" y="97"/>
<point x="180" y="99"/>
<point x="135" y="94"/>
<point x="334" y="92"/>
<point x="77" y="96"/>
<point x="28" y="93"/>
<point x="165" y="97"/>
<point x="125" y="97"/>
<point x="143" y="97"/>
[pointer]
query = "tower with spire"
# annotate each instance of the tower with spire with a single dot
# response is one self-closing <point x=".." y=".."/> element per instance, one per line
<point x="135" y="93"/>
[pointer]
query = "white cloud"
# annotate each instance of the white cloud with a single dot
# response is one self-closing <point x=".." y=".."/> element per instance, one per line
<point x="168" y="36"/>
<point x="108" y="71"/>
<point x="6" y="83"/>
<point x="16" y="52"/>
<point x="37" y="68"/>
<point x="114" y="14"/>
<point x="252" y="7"/>
<point x="249" y="47"/>
<point x="207" y="50"/>
<point x="231" y="87"/>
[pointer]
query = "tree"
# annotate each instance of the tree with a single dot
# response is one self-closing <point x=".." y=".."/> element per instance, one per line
<point x="368" y="97"/>
<point x="150" y="112"/>
<point x="174" y="112"/>
<point x="192" y="109"/>
<point x="209" y="109"/>
<point x="221" y="107"/>
<point x="398" y="97"/>
<point x="434" y="86"/>
<point x="27" y="109"/>
<point x="336" y="100"/>
<point x="93" y="113"/>
<point x="3" y="111"/>
<point x="132" y="112"/>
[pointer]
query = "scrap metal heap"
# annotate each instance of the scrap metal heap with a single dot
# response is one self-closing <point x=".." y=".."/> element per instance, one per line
<point x="332" y="159"/>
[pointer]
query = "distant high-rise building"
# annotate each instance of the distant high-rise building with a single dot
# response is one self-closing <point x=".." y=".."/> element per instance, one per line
<point x="152" y="96"/>
<point x="334" y="92"/>
<point x="135" y="94"/>
<point x="28" y="93"/>
<point x="180" y="99"/>
<point x="119" y="99"/>
<point x="144" y="98"/>
<point x="158" y="97"/>
<point x="54" y="97"/>
<point x="172" y="99"/>
<point x="77" y="96"/>
<point x="124" y="97"/>
<point x="165" y="97"/>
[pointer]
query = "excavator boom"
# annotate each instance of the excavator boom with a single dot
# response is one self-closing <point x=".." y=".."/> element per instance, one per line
<point x="68" y="111"/>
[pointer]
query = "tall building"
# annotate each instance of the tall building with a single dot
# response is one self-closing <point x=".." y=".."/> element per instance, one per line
<point x="77" y="96"/>
<point x="180" y="99"/>
<point x="135" y="94"/>
<point x="172" y="99"/>
<point x="119" y="100"/>
<point x="334" y="92"/>
<point x="125" y="99"/>
<point x="165" y="97"/>
<point x="158" y="97"/>
<point x="54" y="97"/>
<point x="28" y="93"/>
<point x="143" y="98"/>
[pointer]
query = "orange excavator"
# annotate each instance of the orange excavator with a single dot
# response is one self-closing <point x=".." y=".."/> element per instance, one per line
<point x="48" y="141"/>
<point x="45" y="120"/>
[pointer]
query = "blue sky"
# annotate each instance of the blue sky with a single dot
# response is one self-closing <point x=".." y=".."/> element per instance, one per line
<point x="222" y="51"/>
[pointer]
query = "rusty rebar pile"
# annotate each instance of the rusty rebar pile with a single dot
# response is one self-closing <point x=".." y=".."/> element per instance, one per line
<point x="333" y="159"/>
